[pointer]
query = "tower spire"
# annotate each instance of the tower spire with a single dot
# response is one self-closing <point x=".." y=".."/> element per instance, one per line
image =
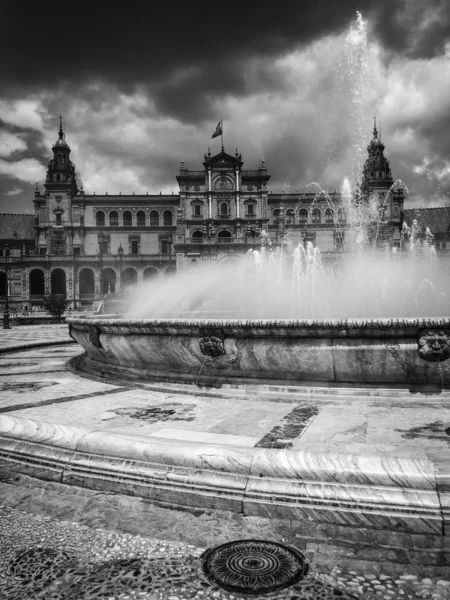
<point x="61" y="131"/>
<point x="375" y="131"/>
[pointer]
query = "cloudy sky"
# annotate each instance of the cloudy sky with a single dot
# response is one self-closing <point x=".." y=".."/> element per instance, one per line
<point x="296" y="84"/>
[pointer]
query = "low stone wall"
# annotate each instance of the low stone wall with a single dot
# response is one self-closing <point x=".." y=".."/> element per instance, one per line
<point x="389" y="500"/>
<point x="390" y="351"/>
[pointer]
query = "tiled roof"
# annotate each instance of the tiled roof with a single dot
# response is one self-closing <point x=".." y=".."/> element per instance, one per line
<point x="437" y="219"/>
<point x="21" y="224"/>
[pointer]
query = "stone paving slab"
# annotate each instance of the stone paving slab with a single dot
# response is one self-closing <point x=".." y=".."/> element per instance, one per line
<point x="30" y="336"/>
<point x="49" y="390"/>
<point x="40" y="384"/>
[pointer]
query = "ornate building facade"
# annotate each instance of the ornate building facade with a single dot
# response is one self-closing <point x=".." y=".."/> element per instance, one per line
<point x="87" y="245"/>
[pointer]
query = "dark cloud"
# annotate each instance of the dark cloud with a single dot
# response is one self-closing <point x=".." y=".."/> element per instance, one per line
<point x="206" y="44"/>
<point x="193" y="63"/>
<point x="414" y="28"/>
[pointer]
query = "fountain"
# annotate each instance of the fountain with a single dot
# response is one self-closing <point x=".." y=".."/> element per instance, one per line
<point x="377" y="319"/>
<point x="283" y="323"/>
<point x="377" y="316"/>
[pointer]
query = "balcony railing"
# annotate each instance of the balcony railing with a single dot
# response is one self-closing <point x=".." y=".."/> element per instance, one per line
<point x="107" y="258"/>
<point x="221" y="217"/>
<point x="197" y="217"/>
<point x="196" y="240"/>
<point x="251" y="173"/>
<point x="193" y="173"/>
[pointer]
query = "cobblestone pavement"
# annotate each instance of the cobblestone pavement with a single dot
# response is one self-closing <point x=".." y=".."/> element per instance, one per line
<point x="45" y="558"/>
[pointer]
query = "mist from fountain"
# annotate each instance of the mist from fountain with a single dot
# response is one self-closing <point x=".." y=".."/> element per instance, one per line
<point x="292" y="281"/>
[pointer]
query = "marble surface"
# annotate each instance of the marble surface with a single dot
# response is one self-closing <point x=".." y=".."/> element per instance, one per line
<point x="380" y="492"/>
<point x="360" y="459"/>
<point x="378" y="351"/>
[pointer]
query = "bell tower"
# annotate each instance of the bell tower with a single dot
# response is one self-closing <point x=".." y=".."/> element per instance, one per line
<point x="61" y="187"/>
<point x="61" y="170"/>
<point x="377" y="174"/>
<point x="377" y="187"/>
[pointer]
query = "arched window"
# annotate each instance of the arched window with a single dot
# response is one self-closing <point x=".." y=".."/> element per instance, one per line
<point x="276" y="212"/>
<point x="290" y="216"/>
<point x="197" y="235"/>
<point x="154" y="218"/>
<point x="224" y="236"/>
<point x="140" y="218"/>
<point x="316" y="216"/>
<point x="303" y="215"/>
<point x="224" y="209"/>
<point x="113" y="218"/>
<point x="100" y="218"/>
<point x="341" y="215"/>
<point x="329" y="216"/>
<point x="127" y="219"/>
<point x="167" y="217"/>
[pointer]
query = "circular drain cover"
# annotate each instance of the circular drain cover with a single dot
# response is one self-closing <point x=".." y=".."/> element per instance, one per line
<point x="253" y="566"/>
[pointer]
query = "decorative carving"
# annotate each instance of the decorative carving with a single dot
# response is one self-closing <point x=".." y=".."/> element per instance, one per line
<point x="94" y="336"/>
<point x="223" y="184"/>
<point x="434" y="344"/>
<point x="212" y="342"/>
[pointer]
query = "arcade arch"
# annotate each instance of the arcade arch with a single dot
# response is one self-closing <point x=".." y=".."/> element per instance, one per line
<point x="150" y="273"/>
<point x="2" y="283"/>
<point x="129" y="276"/>
<point x="58" y="281"/>
<point x="36" y="281"/>
<point x="109" y="281"/>
<point x="86" y="285"/>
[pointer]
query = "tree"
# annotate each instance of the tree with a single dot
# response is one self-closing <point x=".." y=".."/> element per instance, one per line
<point x="56" y="304"/>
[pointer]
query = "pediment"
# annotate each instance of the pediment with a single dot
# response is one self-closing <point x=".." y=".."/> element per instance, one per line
<point x="223" y="161"/>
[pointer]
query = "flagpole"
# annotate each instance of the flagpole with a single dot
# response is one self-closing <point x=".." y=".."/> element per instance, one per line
<point x="221" y="133"/>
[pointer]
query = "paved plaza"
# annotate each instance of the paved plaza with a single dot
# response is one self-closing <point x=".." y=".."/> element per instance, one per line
<point x="59" y="541"/>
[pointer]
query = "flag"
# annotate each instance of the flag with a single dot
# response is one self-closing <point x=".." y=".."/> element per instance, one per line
<point x="218" y="130"/>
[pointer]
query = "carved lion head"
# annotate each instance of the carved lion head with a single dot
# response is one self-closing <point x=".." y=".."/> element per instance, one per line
<point x="434" y="344"/>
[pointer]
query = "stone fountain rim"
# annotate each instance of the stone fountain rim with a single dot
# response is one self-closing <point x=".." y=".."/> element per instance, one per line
<point x="308" y="324"/>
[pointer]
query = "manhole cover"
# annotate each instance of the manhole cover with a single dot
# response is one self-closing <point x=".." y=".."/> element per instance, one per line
<point x="253" y="567"/>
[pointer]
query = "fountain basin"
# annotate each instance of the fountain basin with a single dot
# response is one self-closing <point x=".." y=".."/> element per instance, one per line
<point x="373" y="351"/>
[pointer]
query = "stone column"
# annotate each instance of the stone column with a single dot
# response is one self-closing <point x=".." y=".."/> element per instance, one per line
<point x="209" y="194"/>
<point x="237" y="194"/>
<point x="47" y="279"/>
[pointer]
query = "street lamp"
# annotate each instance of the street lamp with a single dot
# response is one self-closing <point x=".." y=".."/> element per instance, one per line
<point x="120" y="252"/>
<point x="101" y="270"/>
<point x="6" y="308"/>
